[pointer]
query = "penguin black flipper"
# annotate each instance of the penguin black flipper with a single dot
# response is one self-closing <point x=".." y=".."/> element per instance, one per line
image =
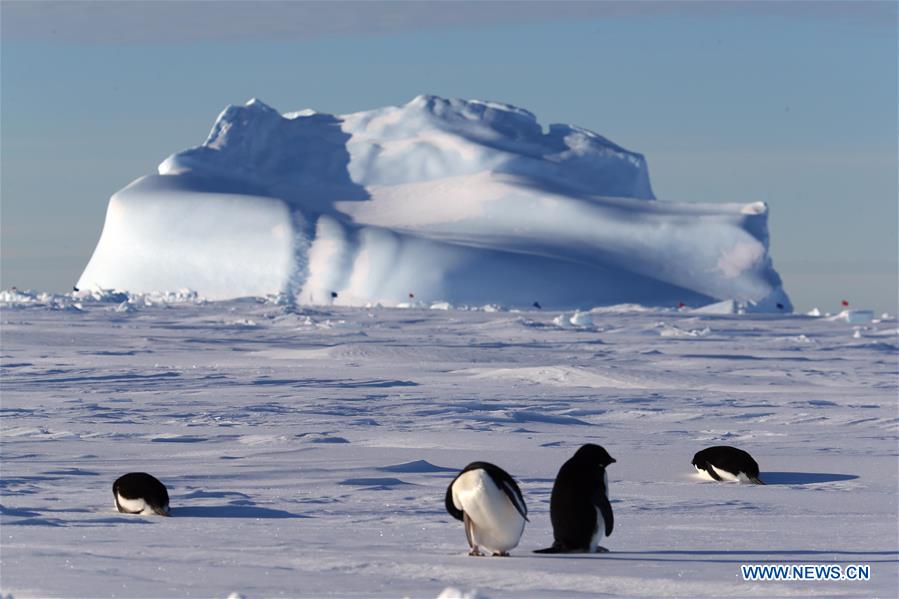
<point x="605" y="508"/>
<point x="505" y="483"/>
<point x="510" y="488"/>
<point x="708" y="469"/>
<point x="712" y="472"/>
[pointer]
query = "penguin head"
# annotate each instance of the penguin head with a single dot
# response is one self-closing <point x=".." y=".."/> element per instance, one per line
<point x="594" y="454"/>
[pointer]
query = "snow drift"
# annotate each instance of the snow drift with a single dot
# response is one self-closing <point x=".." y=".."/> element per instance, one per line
<point x="463" y="201"/>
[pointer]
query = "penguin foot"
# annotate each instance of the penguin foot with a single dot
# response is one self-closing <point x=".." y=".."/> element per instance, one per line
<point x="600" y="549"/>
<point x="475" y="552"/>
<point x="501" y="554"/>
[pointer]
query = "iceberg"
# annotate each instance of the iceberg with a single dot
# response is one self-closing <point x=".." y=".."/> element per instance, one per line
<point x="466" y="202"/>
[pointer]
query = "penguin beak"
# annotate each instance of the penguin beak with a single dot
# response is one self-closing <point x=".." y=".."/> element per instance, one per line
<point x="612" y="460"/>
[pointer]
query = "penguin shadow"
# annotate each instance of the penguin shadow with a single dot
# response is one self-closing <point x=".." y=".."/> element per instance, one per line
<point x="40" y="517"/>
<point x="59" y="522"/>
<point x="241" y="507"/>
<point x="803" y="478"/>
<point x="231" y="510"/>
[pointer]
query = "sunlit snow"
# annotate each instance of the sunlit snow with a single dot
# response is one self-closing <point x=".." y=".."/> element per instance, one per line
<point x="307" y="450"/>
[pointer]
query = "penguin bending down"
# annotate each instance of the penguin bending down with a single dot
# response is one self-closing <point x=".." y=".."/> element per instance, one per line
<point x="140" y="493"/>
<point x="579" y="506"/>
<point x="489" y="502"/>
<point x="727" y="463"/>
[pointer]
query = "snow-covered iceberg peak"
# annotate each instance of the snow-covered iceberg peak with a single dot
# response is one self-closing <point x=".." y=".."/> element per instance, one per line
<point x="427" y="138"/>
<point x="469" y="202"/>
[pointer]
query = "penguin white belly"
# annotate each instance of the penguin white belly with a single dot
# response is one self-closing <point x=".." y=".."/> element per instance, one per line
<point x="598" y="533"/>
<point x="723" y="474"/>
<point x="134" y="506"/>
<point x="600" y="521"/>
<point x="497" y="524"/>
<point x="701" y="473"/>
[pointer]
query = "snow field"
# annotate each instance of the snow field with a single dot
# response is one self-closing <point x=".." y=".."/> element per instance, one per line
<point x="307" y="450"/>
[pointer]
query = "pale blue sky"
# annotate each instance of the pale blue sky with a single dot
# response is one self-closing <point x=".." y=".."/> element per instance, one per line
<point x="791" y="103"/>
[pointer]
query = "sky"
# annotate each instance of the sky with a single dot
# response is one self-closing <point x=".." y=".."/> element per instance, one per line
<point x="791" y="103"/>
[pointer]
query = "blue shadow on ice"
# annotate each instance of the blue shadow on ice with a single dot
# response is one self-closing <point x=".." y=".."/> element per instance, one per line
<point x="803" y="478"/>
<point x="231" y="511"/>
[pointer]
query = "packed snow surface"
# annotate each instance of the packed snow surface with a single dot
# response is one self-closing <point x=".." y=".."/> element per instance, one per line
<point x="307" y="450"/>
<point x="444" y="200"/>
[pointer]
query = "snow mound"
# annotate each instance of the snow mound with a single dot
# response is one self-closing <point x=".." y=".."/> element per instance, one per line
<point x="669" y="330"/>
<point x="451" y="201"/>
<point x="19" y="297"/>
<point x="456" y="593"/>
<point x="577" y="320"/>
<point x="415" y="466"/>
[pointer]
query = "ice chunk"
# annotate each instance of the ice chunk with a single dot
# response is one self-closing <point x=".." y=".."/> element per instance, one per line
<point x="859" y="316"/>
<point x="725" y="307"/>
<point x="854" y="316"/>
<point x="581" y="319"/>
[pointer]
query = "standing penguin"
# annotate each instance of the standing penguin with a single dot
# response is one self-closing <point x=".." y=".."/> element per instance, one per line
<point x="579" y="506"/>
<point x="490" y="504"/>
<point x="140" y="493"/>
<point x="723" y="462"/>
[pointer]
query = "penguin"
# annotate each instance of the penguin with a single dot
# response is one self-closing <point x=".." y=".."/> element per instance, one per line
<point x="489" y="502"/>
<point x="140" y="493"/>
<point x="579" y="506"/>
<point x="723" y="462"/>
